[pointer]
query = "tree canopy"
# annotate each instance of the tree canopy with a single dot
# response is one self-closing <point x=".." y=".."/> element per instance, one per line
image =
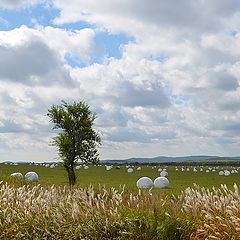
<point x="77" y="140"/>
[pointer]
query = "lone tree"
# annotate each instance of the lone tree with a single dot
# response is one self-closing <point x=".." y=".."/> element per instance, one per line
<point x="76" y="140"/>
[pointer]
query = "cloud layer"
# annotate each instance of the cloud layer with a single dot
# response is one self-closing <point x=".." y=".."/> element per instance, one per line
<point x="174" y="90"/>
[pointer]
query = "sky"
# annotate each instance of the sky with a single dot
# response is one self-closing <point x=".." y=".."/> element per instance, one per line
<point x="162" y="76"/>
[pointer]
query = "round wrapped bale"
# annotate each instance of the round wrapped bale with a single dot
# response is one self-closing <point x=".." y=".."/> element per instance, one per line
<point x="78" y="167"/>
<point x="221" y="173"/>
<point x="31" y="176"/>
<point x="161" y="182"/>
<point x="163" y="173"/>
<point x="139" y="169"/>
<point x="17" y="174"/>
<point x="86" y="167"/>
<point x="144" y="182"/>
<point x="226" y="173"/>
<point x="108" y="168"/>
<point x="130" y="170"/>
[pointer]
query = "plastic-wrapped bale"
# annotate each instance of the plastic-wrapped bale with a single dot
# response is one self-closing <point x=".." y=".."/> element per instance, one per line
<point x="161" y="182"/>
<point x="226" y="173"/>
<point x="163" y="173"/>
<point x="52" y="166"/>
<point x="139" y="168"/>
<point x="78" y="167"/>
<point x="130" y="170"/>
<point x="221" y="173"/>
<point x="108" y="168"/>
<point x="86" y="167"/>
<point x="31" y="176"/>
<point x="17" y="174"/>
<point x="159" y="170"/>
<point x="144" y="182"/>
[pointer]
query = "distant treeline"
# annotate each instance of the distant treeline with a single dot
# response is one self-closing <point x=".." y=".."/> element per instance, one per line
<point x="198" y="163"/>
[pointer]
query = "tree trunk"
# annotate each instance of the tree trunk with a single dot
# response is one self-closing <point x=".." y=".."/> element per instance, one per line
<point x="71" y="175"/>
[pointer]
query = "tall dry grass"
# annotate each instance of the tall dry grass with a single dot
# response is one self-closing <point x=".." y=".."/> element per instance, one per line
<point x="215" y="212"/>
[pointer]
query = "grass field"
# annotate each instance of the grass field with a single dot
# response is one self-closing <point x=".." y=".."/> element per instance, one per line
<point x="96" y="175"/>
<point x="182" y="211"/>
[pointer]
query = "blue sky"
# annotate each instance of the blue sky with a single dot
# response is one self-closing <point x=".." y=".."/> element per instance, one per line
<point x="163" y="78"/>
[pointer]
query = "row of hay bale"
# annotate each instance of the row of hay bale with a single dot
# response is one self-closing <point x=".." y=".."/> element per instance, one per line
<point x="29" y="176"/>
<point x="223" y="172"/>
<point x="159" y="182"/>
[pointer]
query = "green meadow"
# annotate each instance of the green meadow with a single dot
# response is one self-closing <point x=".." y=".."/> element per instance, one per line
<point x="49" y="210"/>
<point x="98" y="175"/>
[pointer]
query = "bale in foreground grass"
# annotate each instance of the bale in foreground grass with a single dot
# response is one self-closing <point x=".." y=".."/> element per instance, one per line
<point x="31" y="176"/>
<point x="144" y="182"/>
<point x="17" y="174"/>
<point x="161" y="182"/>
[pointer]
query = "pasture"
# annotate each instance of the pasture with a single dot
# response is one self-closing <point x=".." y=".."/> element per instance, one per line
<point x="98" y="175"/>
<point x="182" y="211"/>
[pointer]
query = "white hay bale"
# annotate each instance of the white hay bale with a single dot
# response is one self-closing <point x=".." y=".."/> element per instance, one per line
<point x="108" y="168"/>
<point x="163" y="173"/>
<point x="221" y="173"/>
<point x="226" y="173"/>
<point x="86" y="167"/>
<point x="130" y="170"/>
<point x="159" y="170"/>
<point x="31" y="176"/>
<point x="139" y="169"/>
<point x="144" y="182"/>
<point x="17" y="174"/>
<point x="161" y="182"/>
<point x="78" y="167"/>
<point x="52" y="166"/>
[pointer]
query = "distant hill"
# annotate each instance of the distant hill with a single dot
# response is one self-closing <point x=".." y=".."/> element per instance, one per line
<point x="164" y="159"/>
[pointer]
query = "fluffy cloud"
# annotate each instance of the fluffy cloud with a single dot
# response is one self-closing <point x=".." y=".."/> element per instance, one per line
<point x="33" y="64"/>
<point x="34" y="75"/>
<point x="129" y="16"/>
<point x="184" y="57"/>
<point x="19" y="3"/>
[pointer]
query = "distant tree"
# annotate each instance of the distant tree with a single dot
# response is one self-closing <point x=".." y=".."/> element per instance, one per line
<point x="77" y="140"/>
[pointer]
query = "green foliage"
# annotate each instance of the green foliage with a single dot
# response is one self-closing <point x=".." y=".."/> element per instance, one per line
<point x="77" y="139"/>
